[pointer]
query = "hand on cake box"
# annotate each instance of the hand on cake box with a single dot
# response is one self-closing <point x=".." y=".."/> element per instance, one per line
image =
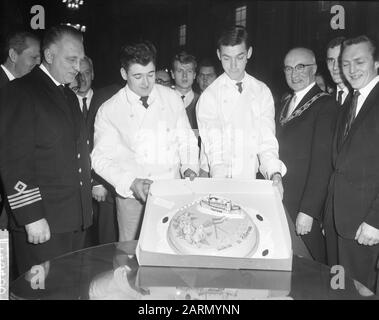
<point x="277" y="182"/>
<point x="190" y="174"/>
<point x="140" y="188"/>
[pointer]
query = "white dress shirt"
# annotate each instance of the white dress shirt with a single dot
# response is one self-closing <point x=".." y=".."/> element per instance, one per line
<point x="134" y="142"/>
<point x="301" y="94"/>
<point x="89" y="97"/>
<point x="10" y="76"/>
<point x="364" y="92"/>
<point x="237" y="129"/>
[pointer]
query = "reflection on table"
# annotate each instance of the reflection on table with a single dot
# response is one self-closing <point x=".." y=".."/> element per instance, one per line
<point x="112" y="272"/>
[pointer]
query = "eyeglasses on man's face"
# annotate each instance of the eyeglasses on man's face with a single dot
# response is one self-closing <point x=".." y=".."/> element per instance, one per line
<point x="299" y="67"/>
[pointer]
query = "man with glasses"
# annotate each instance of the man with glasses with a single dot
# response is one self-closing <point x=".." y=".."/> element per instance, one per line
<point x="305" y="128"/>
<point x="236" y="117"/>
<point x="333" y="52"/>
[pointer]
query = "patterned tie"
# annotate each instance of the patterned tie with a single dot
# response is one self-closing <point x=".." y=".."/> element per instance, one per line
<point x="352" y="112"/>
<point x="291" y="106"/>
<point x="339" y="98"/>
<point x="85" y="108"/>
<point x="239" y="85"/>
<point x="144" y="101"/>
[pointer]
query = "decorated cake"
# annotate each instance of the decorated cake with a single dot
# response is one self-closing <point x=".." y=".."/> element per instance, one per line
<point x="213" y="226"/>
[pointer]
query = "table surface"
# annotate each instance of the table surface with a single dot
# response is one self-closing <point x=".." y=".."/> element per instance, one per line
<point x="111" y="272"/>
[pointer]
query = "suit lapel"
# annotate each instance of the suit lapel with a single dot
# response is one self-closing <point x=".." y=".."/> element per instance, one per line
<point x="370" y="102"/>
<point x="3" y="78"/>
<point x="310" y="94"/>
<point x="54" y="93"/>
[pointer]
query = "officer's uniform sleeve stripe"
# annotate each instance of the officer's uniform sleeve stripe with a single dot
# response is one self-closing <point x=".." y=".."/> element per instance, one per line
<point x="23" y="196"/>
<point x="32" y="197"/>
<point x="23" y="193"/>
<point x="26" y="203"/>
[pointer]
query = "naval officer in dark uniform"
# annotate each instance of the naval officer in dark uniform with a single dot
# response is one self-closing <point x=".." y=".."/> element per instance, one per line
<point x="44" y="155"/>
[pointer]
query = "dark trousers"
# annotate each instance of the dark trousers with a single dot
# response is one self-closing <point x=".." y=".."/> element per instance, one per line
<point x="331" y="238"/>
<point x="104" y="228"/>
<point x="28" y="255"/>
<point x="360" y="261"/>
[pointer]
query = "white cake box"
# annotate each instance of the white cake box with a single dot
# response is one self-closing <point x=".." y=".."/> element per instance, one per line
<point x="260" y="200"/>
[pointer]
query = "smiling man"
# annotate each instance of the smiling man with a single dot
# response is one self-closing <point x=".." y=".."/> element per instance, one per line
<point x="305" y="128"/>
<point x="353" y="189"/>
<point x="236" y="117"/>
<point x="141" y="134"/>
<point x="44" y="160"/>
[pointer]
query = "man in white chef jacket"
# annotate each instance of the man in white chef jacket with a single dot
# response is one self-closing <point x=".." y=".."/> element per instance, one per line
<point x="141" y="134"/>
<point x="236" y="117"/>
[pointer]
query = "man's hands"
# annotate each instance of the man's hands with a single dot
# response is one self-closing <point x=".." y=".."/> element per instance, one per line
<point x="140" y="188"/>
<point x="277" y="182"/>
<point x="367" y="235"/>
<point x="38" y="232"/>
<point x="303" y="224"/>
<point x="190" y="174"/>
<point x="99" y="193"/>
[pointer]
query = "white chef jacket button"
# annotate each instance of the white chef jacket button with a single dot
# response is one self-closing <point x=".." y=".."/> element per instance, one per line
<point x="80" y="170"/>
<point x="78" y="155"/>
<point x="81" y="183"/>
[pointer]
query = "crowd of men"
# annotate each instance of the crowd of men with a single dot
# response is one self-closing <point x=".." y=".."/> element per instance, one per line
<point x="76" y="164"/>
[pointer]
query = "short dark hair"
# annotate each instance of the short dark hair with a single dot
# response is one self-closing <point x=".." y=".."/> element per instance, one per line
<point x="54" y="34"/>
<point x="233" y="36"/>
<point x="17" y="41"/>
<point x="363" y="39"/>
<point x="184" y="58"/>
<point x="142" y="53"/>
<point x="207" y="62"/>
<point x="335" y="43"/>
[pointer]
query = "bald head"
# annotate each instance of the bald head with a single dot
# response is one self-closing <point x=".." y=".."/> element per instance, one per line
<point x="300" y="68"/>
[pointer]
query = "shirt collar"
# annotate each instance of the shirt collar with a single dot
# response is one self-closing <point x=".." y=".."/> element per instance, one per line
<point x="188" y="97"/>
<point x="89" y="95"/>
<point x="44" y="69"/>
<point x="301" y="94"/>
<point x="136" y="98"/>
<point x="367" y="89"/>
<point x="10" y="76"/>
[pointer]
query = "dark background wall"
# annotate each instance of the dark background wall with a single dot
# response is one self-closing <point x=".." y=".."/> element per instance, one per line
<point x="275" y="27"/>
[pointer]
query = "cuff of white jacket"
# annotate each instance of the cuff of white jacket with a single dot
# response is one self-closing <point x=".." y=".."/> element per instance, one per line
<point x="194" y="168"/>
<point x="271" y="167"/>
<point x="123" y="187"/>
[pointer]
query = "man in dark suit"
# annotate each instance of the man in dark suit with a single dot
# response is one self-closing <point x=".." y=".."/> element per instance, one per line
<point x="21" y="53"/>
<point x="353" y="190"/>
<point x="305" y="129"/>
<point x="184" y="73"/>
<point x="333" y="62"/>
<point x="44" y="155"/>
<point x="104" y="229"/>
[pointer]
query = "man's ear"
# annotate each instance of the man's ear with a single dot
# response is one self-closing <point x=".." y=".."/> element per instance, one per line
<point x="12" y="54"/>
<point x="124" y="74"/>
<point x="172" y="74"/>
<point x="376" y="64"/>
<point x="219" y="54"/>
<point x="249" y="52"/>
<point x="49" y="56"/>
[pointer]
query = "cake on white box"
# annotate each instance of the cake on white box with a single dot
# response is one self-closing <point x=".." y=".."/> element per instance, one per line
<point x="215" y="223"/>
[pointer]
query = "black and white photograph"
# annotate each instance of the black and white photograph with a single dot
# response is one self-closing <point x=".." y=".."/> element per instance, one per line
<point x="206" y="151"/>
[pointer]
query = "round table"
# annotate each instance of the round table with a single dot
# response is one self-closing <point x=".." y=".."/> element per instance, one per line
<point x="111" y="272"/>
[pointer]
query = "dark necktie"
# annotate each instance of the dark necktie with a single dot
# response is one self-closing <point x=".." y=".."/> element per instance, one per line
<point x="144" y="101"/>
<point x="183" y="98"/>
<point x="352" y="112"/>
<point x="85" y="108"/>
<point x="339" y="97"/>
<point x="239" y="85"/>
<point x="62" y="89"/>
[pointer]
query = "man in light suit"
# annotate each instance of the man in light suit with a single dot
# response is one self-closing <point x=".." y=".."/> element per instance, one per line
<point x="305" y="127"/>
<point x="236" y="117"/>
<point x="353" y="200"/>
<point x="141" y="134"/>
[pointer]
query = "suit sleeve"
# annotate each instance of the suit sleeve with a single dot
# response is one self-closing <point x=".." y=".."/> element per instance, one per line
<point x="320" y="167"/>
<point x="17" y="149"/>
